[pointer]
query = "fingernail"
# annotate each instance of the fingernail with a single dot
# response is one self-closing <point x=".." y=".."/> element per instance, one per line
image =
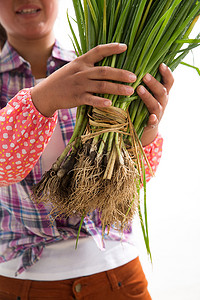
<point x="141" y="89"/>
<point x="163" y="66"/>
<point x="132" y="77"/>
<point x="129" y="89"/>
<point x="107" y="102"/>
<point x="153" y="126"/>
<point x="147" y="77"/>
<point x="122" y="46"/>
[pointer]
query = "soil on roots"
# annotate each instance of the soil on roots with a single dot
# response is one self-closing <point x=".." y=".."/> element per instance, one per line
<point x="115" y="199"/>
<point x="86" y="184"/>
<point x="83" y="190"/>
<point x="118" y="200"/>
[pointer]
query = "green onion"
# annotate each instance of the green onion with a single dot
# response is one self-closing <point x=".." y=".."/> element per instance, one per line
<point x="102" y="167"/>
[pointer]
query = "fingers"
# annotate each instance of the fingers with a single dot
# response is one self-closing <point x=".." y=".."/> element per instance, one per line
<point x="100" y="52"/>
<point x="167" y="77"/>
<point x="153" y="106"/>
<point x="153" y="121"/>
<point x="94" y="86"/>
<point x="108" y="73"/>
<point x="99" y="83"/>
<point x="105" y="87"/>
<point x="157" y="102"/>
<point x="158" y="89"/>
<point x="96" y="101"/>
<point x="104" y="80"/>
<point x="91" y="79"/>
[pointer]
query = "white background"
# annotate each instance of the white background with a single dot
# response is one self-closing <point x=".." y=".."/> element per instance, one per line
<point x="173" y="195"/>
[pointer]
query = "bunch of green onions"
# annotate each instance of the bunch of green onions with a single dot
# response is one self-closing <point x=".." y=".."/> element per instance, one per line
<point x="102" y="167"/>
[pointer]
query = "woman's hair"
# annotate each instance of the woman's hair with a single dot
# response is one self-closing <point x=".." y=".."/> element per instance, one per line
<point x="3" y="36"/>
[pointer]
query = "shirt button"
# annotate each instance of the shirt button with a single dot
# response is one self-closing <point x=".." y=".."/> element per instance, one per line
<point x="65" y="118"/>
<point x="52" y="63"/>
<point x="78" y="288"/>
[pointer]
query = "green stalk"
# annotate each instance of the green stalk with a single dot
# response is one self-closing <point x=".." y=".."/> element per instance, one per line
<point x="136" y="23"/>
<point x="80" y="21"/>
<point x="86" y="24"/>
<point x="78" y="131"/>
<point x="104" y="23"/>
<point x="143" y="19"/>
<point x="91" y="31"/>
<point x="145" y="209"/>
<point x="150" y="46"/>
<point x="75" y="49"/>
<point x="94" y="17"/>
<point x="77" y="46"/>
<point x="111" y="23"/>
<point x="102" y="144"/>
<point x="180" y="14"/>
<point x="139" y="45"/>
<point x="117" y="12"/>
<point x="191" y="66"/>
<point x="141" y="118"/>
<point x="79" y="230"/>
<point x="175" y="35"/>
<point x="110" y="142"/>
<point x="117" y="144"/>
<point x="121" y="22"/>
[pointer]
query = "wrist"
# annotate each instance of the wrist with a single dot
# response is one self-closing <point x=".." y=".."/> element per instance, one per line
<point x="149" y="136"/>
<point x="42" y="101"/>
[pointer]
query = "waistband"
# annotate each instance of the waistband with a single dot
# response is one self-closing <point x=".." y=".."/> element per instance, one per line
<point x="125" y="282"/>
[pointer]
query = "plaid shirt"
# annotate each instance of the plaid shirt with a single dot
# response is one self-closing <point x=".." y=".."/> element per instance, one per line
<point x="25" y="228"/>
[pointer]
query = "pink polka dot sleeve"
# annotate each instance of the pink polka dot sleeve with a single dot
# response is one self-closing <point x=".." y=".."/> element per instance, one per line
<point x="24" y="133"/>
<point x="153" y="152"/>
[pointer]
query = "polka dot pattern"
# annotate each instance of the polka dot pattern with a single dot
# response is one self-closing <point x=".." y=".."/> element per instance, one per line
<point x="153" y="153"/>
<point x="25" y="133"/>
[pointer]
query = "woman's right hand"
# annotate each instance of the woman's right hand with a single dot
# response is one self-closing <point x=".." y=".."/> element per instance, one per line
<point x="76" y="83"/>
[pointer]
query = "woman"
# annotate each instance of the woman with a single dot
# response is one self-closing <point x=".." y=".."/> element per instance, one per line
<point x="36" y="124"/>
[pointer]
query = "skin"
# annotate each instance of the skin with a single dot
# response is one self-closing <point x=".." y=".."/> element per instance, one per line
<point x="31" y="35"/>
<point x="2" y="37"/>
<point x="75" y="83"/>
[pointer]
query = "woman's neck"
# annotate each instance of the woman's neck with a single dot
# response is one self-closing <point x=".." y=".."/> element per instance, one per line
<point x="36" y="52"/>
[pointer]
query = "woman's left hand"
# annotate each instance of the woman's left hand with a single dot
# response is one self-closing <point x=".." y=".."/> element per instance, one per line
<point x="155" y="102"/>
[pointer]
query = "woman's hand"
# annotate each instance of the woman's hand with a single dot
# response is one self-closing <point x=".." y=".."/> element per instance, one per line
<point x="76" y="83"/>
<point x="155" y="103"/>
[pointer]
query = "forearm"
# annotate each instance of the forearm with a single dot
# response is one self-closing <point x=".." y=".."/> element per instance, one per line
<point x="25" y="133"/>
<point x="149" y="136"/>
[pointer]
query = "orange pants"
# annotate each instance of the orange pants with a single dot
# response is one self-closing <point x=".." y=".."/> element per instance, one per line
<point x="123" y="283"/>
